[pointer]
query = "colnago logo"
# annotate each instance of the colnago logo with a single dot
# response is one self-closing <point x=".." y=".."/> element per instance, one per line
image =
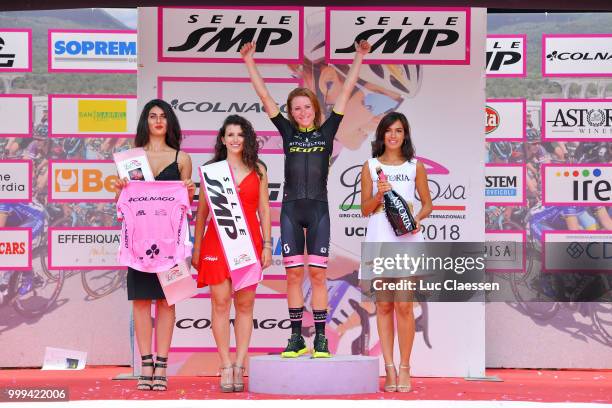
<point x="409" y="35"/>
<point x="220" y="107"/>
<point x="506" y="55"/>
<point x="577" y="54"/>
<point x="95" y="50"/>
<point x="258" y="324"/>
<point x="201" y="34"/>
<point x="577" y="119"/>
<point x="151" y="198"/>
<point x="492" y="120"/>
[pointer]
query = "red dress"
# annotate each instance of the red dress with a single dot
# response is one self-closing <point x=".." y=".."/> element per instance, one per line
<point x="212" y="267"/>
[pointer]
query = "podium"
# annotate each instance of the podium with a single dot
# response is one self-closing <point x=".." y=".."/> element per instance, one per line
<point x="304" y="375"/>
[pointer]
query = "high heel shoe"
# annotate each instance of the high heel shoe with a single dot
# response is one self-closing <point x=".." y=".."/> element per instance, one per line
<point x="404" y="387"/>
<point x="227" y="380"/>
<point x="238" y="378"/>
<point x="160" y="382"/>
<point x="145" y="382"/>
<point x="390" y="387"/>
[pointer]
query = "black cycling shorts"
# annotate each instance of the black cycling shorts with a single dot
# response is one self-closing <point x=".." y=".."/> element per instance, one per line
<point x="313" y="216"/>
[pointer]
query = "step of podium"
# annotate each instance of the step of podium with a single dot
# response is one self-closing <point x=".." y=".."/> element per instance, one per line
<point x="313" y="376"/>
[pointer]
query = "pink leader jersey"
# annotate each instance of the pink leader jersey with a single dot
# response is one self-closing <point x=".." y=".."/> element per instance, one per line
<point x="155" y="232"/>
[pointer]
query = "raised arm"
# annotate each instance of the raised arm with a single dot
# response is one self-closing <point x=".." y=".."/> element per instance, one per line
<point x="351" y="78"/>
<point x="259" y="85"/>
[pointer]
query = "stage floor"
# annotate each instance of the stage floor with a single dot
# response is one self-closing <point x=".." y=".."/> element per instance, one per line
<point x="518" y="388"/>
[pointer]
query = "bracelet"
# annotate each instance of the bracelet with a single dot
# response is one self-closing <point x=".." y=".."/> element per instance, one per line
<point x="269" y="241"/>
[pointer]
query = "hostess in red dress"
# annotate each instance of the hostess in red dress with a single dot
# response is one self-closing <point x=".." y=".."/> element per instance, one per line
<point x="212" y="267"/>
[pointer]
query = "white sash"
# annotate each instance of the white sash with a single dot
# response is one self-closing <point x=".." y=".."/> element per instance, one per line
<point x="218" y="182"/>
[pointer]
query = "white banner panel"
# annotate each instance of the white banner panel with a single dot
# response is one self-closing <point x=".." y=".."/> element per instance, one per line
<point x="15" y="248"/>
<point x="84" y="248"/>
<point x="82" y="180"/>
<point x="399" y="35"/>
<point x="92" y="115"/>
<point x="577" y="251"/>
<point x="206" y="34"/>
<point x="505" y="184"/>
<point x="15" y="180"/>
<point x="575" y="55"/>
<point x="577" y="119"/>
<point x="576" y="185"/>
<point x="505" y="120"/>
<point x="505" y="251"/>
<point x="92" y="51"/>
<point x="193" y="332"/>
<point x="456" y="184"/>
<point x="202" y="104"/>
<point x="15" y="50"/>
<point x="507" y="55"/>
<point x="16" y="115"/>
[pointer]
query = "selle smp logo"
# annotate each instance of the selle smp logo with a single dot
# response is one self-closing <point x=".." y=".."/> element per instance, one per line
<point x="209" y="33"/>
<point x="422" y="36"/>
<point x="506" y="55"/>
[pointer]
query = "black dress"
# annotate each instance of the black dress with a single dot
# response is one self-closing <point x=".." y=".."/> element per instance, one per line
<point x="145" y="285"/>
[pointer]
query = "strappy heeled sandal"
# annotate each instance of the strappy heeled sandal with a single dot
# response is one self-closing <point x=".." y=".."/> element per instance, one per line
<point x="226" y="382"/>
<point x="162" y="385"/>
<point x="238" y="378"/>
<point x="390" y="387"/>
<point x="404" y="387"/>
<point x="145" y="382"/>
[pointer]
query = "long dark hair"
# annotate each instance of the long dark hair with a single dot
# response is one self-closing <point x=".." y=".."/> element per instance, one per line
<point x="250" y="147"/>
<point x="378" y="145"/>
<point x="173" y="129"/>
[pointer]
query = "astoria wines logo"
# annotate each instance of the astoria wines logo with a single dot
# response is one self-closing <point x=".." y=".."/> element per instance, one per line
<point x="585" y="119"/>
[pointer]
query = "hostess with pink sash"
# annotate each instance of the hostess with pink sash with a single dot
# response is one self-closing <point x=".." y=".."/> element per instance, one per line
<point x="230" y="222"/>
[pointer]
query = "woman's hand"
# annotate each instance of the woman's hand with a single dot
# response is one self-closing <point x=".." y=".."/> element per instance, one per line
<point x="248" y="50"/>
<point x="266" y="257"/>
<point x="195" y="258"/>
<point x="363" y="47"/>
<point x="418" y="227"/>
<point x="120" y="184"/>
<point x="383" y="186"/>
<point x="190" y="187"/>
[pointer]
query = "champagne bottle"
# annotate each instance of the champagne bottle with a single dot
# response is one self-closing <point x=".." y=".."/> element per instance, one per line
<point x="397" y="210"/>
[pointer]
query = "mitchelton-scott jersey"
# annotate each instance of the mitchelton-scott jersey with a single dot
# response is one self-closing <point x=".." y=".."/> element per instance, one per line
<point x="307" y="154"/>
